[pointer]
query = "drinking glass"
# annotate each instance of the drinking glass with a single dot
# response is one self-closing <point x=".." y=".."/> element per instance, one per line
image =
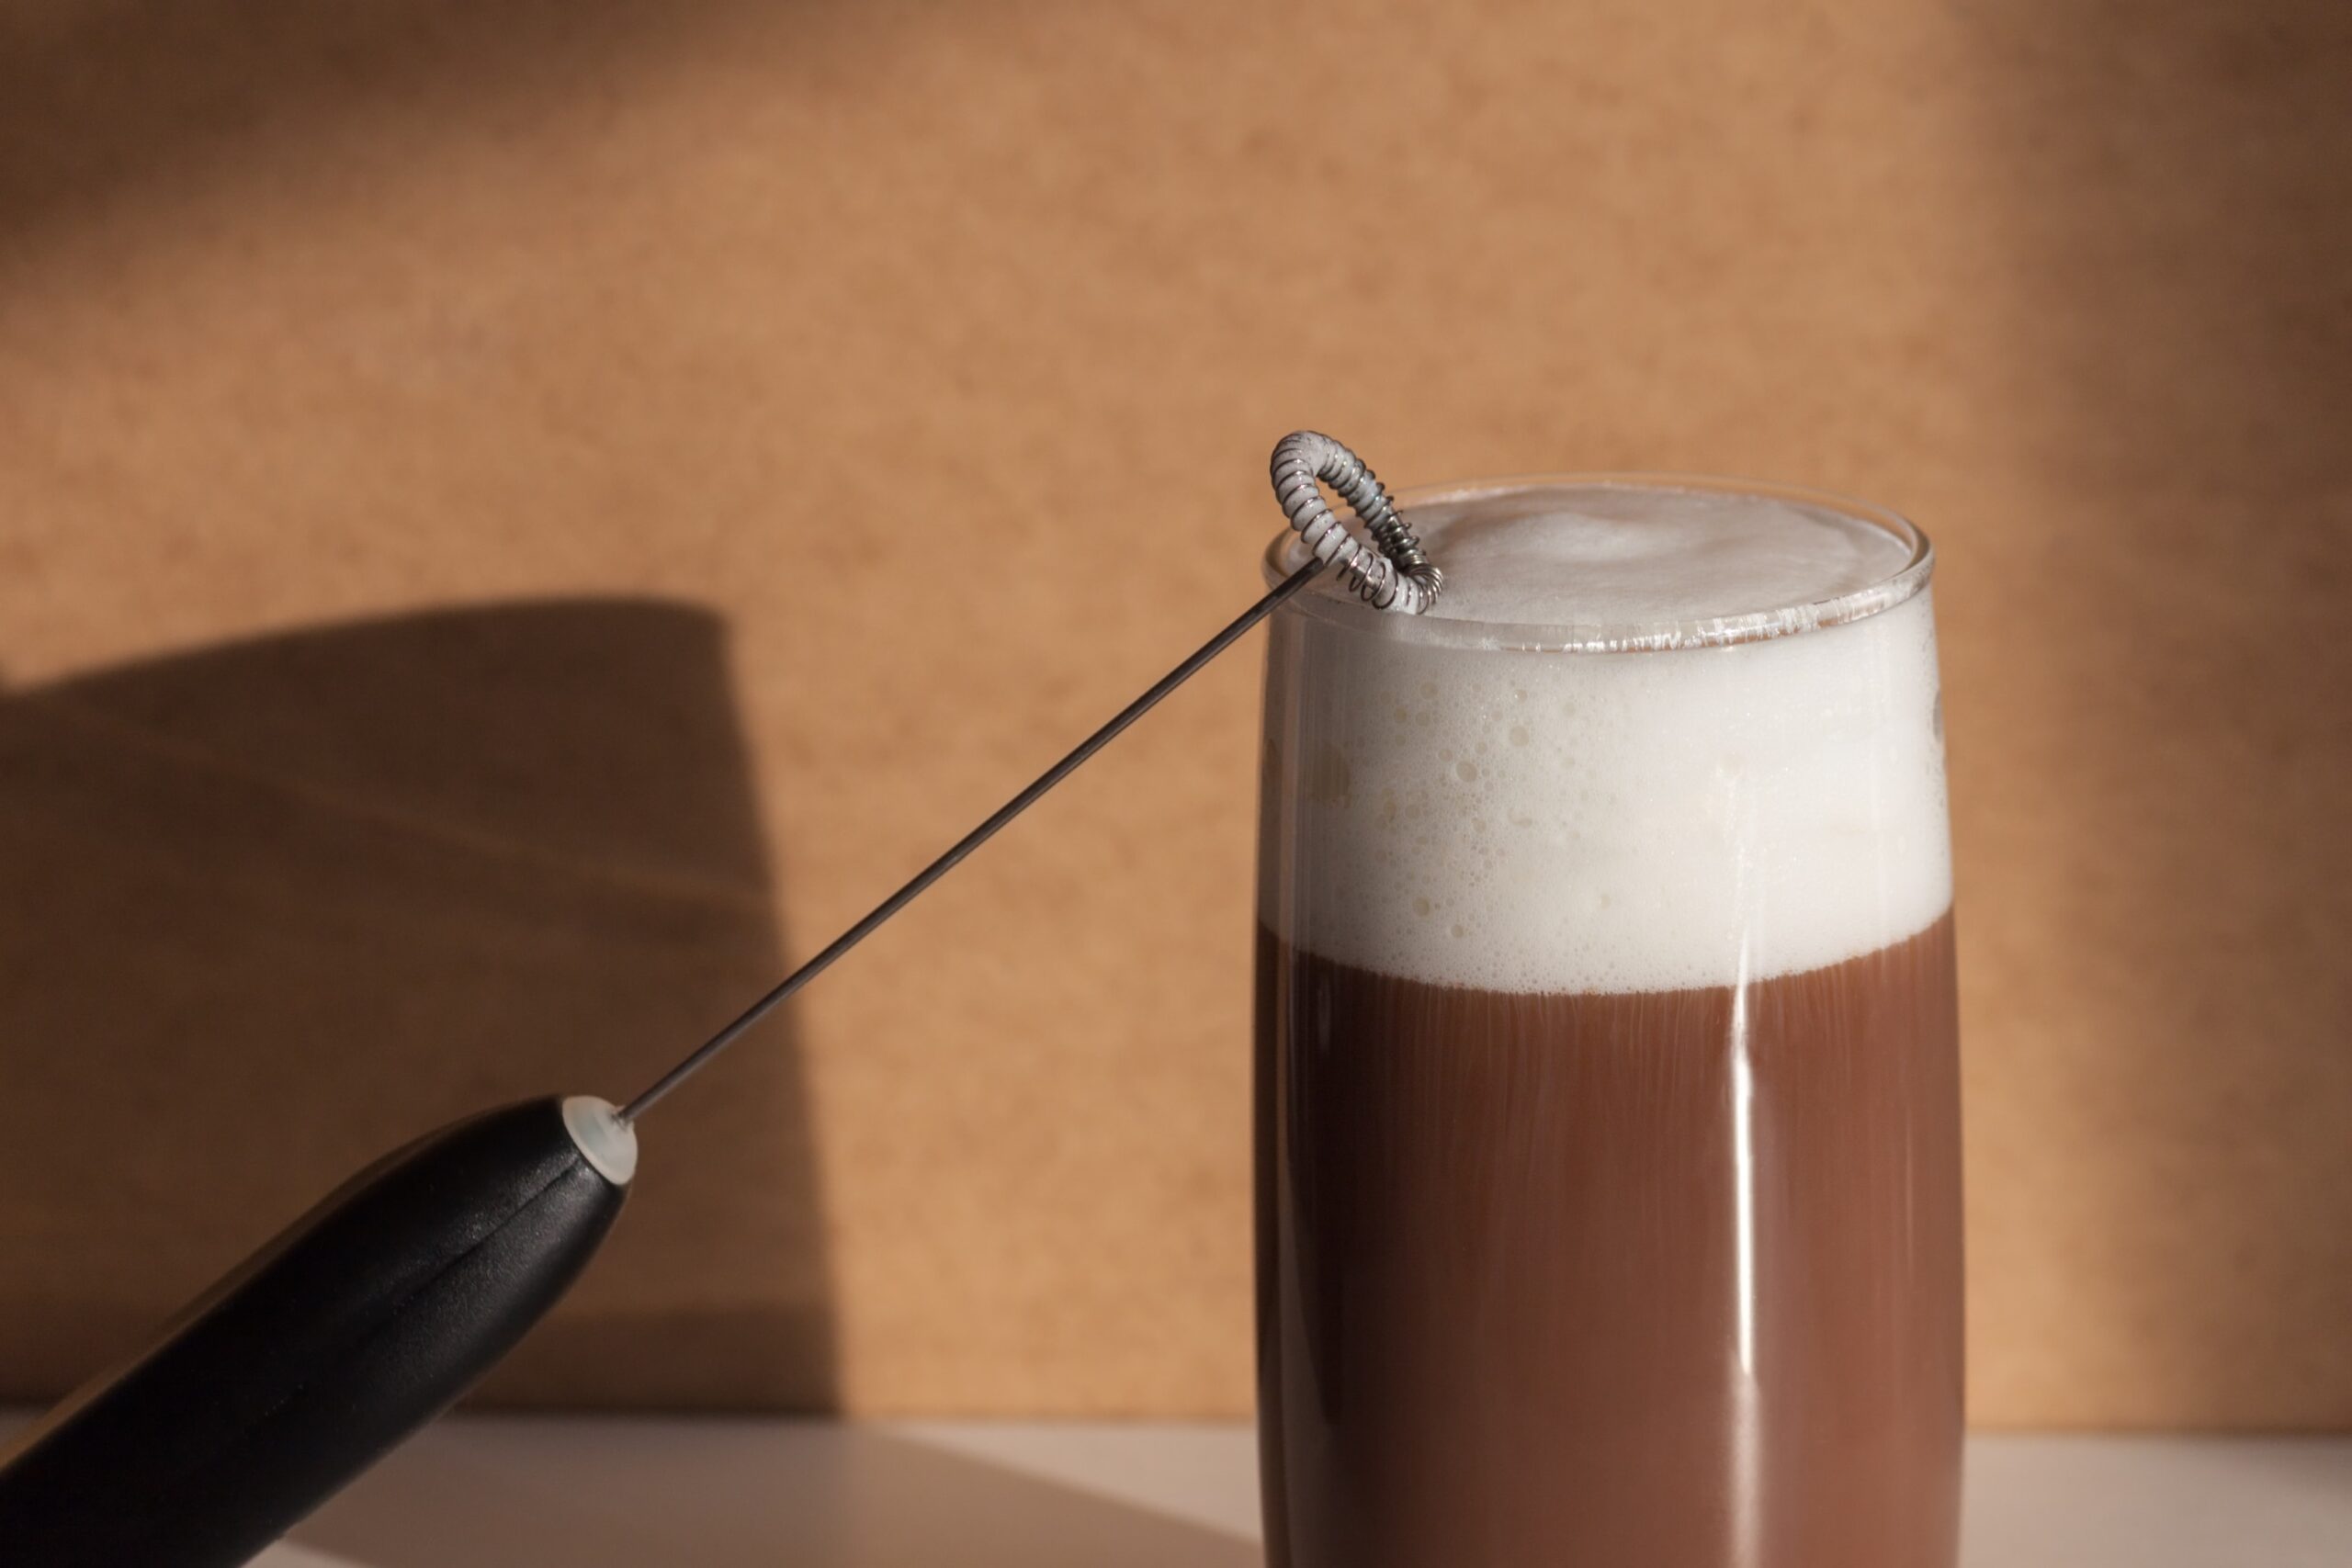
<point x="1606" y="1106"/>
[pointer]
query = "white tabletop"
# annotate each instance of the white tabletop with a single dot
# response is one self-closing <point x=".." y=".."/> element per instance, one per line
<point x="507" y="1492"/>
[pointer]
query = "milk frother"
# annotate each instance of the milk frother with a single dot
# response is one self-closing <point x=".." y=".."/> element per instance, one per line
<point x="371" y="1313"/>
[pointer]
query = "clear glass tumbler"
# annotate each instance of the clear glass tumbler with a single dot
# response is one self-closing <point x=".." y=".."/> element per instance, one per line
<point x="1607" y="1101"/>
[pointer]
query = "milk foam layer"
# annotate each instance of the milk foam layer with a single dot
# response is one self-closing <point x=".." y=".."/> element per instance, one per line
<point x="1575" y="821"/>
<point x="1613" y="555"/>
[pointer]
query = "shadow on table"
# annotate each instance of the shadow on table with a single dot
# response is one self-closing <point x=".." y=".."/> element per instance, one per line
<point x="2302" y="1470"/>
<point x="491" y="1494"/>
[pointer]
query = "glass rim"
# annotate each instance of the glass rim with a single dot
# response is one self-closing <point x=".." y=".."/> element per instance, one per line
<point x="1287" y="553"/>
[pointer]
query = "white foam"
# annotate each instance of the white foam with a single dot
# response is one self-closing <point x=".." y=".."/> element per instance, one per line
<point x="1525" y="821"/>
<point x="1617" y="555"/>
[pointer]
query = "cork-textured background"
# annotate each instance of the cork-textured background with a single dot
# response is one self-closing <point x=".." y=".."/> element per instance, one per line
<point x="517" y="519"/>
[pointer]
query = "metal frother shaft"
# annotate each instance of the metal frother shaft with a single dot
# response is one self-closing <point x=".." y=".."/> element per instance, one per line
<point x="1390" y="573"/>
<point x="373" y="1313"/>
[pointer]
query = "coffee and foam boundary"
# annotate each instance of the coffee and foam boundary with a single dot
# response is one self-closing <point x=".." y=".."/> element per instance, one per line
<point x="1553" y="821"/>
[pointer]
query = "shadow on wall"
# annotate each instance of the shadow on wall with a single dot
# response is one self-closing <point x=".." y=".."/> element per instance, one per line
<point x="104" y="99"/>
<point x="2175" y="183"/>
<point x="278" y="907"/>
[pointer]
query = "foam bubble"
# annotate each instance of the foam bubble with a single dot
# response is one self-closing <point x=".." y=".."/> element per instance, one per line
<point x="1531" y="820"/>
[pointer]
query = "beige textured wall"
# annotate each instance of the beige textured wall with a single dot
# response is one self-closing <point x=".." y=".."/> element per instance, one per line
<point x="881" y="394"/>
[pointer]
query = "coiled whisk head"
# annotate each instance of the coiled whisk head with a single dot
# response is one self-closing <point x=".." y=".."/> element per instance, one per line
<point x="1390" y="571"/>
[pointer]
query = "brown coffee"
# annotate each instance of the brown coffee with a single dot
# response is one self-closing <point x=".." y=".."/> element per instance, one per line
<point x="1636" y="1280"/>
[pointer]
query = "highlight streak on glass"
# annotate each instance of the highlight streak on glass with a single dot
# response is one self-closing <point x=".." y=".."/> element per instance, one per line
<point x="1742" y="1155"/>
<point x="1746" y="1543"/>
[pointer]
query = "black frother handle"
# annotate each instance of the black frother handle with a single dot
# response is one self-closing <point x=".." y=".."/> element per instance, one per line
<point x="365" y="1319"/>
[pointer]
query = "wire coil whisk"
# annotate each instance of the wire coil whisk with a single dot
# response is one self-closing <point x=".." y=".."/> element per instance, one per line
<point x="1390" y="571"/>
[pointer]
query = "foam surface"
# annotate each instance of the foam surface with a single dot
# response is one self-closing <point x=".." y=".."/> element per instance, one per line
<point x="1614" y="555"/>
<point x="1580" y="821"/>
